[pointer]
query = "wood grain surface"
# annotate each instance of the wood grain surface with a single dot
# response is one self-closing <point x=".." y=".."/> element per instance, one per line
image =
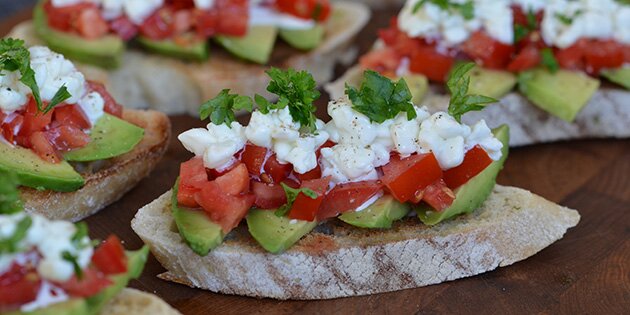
<point x="587" y="272"/>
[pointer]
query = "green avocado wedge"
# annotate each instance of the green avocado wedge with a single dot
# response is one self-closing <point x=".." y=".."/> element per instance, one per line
<point x="105" y="52"/>
<point x="304" y="39"/>
<point x="256" y="46"/>
<point x="94" y="304"/>
<point x="381" y="214"/>
<point x="492" y="83"/>
<point x="276" y="234"/>
<point x="110" y="137"/>
<point x="620" y="76"/>
<point x="34" y="172"/>
<point x="196" y="50"/>
<point x="195" y="227"/>
<point x="471" y="195"/>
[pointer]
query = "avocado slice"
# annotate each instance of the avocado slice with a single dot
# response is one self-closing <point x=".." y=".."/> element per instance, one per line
<point x="418" y="86"/>
<point x="105" y="52"/>
<point x="94" y="304"/>
<point x="36" y="173"/>
<point x="304" y="39"/>
<point x="381" y="214"/>
<point x="563" y="94"/>
<point x="256" y="46"/>
<point x="276" y="234"/>
<point x="110" y="137"/>
<point x="197" y="49"/>
<point x="195" y="227"/>
<point x="492" y="83"/>
<point x="471" y="195"/>
<point x="620" y="76"/>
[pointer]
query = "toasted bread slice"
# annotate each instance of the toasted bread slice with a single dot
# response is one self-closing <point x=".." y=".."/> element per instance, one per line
<point x="607" y="114"/>
<point x="106" y="181"/>
<point x="338" y="260"/>
<point x="131" y="301"/>
<point x="176" y="87"/>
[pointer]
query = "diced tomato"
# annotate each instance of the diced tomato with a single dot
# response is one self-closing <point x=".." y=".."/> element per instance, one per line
<point x="91" y="25"/>
<point x="306" y="208"/>
<point x="67" y="138"/>
<point x="254" y="158"/>
<point x="206" y="22"/>
<point x="381" y="60"/>
<point x="603" y="54"/>
<point x="347" y="197"/>
<point x="268" y="196"/>
<point x="572" y="57"/>
<point x="312" y="174"/>
<point x="192" y="177"/>
<point x="275" y="171"/>
<point x="111" y="106"/>
<point x="438" y="196"/>
<point x="214" y="173"/>
<point x="233" y="17"/>
<point x="224" y="209"/>
<point x="404" y="177"/>
<point x="91" y="283"/>
<point x="11" y="127"/>
<point x="124" y="28"/>
<point x="434" y="65"/>
<point x="318" y="10"/>
<point x="43" y="147"/>
<point x="520" y="17"/>
<point x="526" y="59"/>
<point x="64" y="18"/>
<point x="18" y="285"/>
<point x="487" y="51"/>
<point x="34" y="120"/>
<point x="71" y="115"/>
<point x="110" y="257"/>
<point x="158" y="25"/>
<point x="475" y="161"/>
<point x="181" y="4"/>
<point x="235" y="181"/>
<point x="182" y="21"/>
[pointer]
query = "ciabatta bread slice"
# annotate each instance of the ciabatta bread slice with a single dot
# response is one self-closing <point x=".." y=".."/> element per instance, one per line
<point x="338" y="260"/>
<point x="106" y="181"/>
<point x="131" y="301"/>
<point x="147" y="80"/>
<point x="607" y="114"/>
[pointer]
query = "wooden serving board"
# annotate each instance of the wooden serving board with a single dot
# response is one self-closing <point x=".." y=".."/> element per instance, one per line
<point x="587" y="272"/>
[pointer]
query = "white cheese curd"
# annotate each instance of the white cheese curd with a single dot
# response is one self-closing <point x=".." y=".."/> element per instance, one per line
<point x="13" y="93"/>
<point x="444" y="136"/>
<point x="204" y="4"/>
<point x="622" y="24"/>
<point x="482" y="135"/>
<point x="277" y="131"/>
<point x="451" y="28"/>
<point x="93" y="106"/>
<point x="52" y="71"/>
<point x="348" y="163"/>
<point x="404" y="132"/>
<point x="216" y="145"/>
<point x="112" y="8"/>
<point x="140" y="10"/>
<point x="48" y="294"/>
<point x="66" y="3"/>
<point x="264" y="15"/>
<point x="349" y="126"/>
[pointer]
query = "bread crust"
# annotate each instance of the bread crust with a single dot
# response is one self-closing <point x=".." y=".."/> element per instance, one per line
<point x="172" y="86"/>
<point x="337" y="260"/>
<point x="117" y="177"/>
<point x="605" y="116"/>
<point x="132" y="301"/>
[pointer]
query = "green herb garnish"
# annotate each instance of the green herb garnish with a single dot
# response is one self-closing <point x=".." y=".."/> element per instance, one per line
<point x="14" y="56"/>
<point x="9" y="196"/>
<point x="221" y="108"/>
<point x="466" y="9"/>
<point x="521" y="31"/>
<point x="73" y="259"/>
<point x="567" y="20"/>
<point x="549" y="60"/>
<point x="10" y="244"/>
<point x="380" y="99"/>
<point x="295" y="89"/>
<point x="292" y="194"/>
<point x="461" y="102"/>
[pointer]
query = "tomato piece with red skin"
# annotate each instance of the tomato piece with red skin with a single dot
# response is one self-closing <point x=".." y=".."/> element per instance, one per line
<point x="124" y="28"/>
<point x="306" y="208"/>
<point x="67" y="138"/>
<point x="233" y="17"/>
<point x="182" y="21"/>
<point x="34" y="120"/>
<point x="19" y="285"/>
<point x="310" y="175"/>
<point x="603" y="54"/>
<point x="192" y="177"/>
<point x="11" y="127"/>
<point x="475" y="161"/>
<point x="110" y="257"/>
<point x="71" y="115"/>
<point x="434" y="65"/>
<point x="111" y="106"/>
<point x="318" y="10"/>
<point x="236" y="181"/>
<point x="383" y="60"/>
<point x="205" y="22"/>
<point x="43" y="147"/>
<point x="92" y="282"/>
<point x="91" y="25"/>
<point x="275" y="171"/>
<point x="404" y="177"/>
<point x="438" y="196"/>
<point x="159" y="25"/>
<point x="268" y="196"/>
<point x="254" y="158"/>
<point x="347" y="197"/>
<point x="526" y="59"/>
<point x="224" y="209"/>
<point x="65" y="18"/>
<point x="488" y="52"/>
<point x="572" y="57"/>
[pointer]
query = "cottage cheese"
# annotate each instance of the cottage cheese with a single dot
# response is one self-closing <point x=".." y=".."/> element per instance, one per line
<point x="348" y="163"/>
<point x="217" y="144"/>
<point x="204" y="4"/>
<point x="265" y="15"/>
<point x="140" y="10"/>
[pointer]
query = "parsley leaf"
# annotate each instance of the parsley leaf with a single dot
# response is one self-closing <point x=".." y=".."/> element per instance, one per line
<point x="461" y="102"/>
<point x="73" y="259"/>
<point x="221" y="108"/>
<point x="380" y="99"/>
<point x="521" y="31"/>
<point x="9" y="244"/>
<point x="549" y="60"/>
<point x="466" y="9"/>
<point x="292" y="194"/>
<point x="9" y="196"/>
<point x="14" y="56"/>
<point x="297" y="90"/>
